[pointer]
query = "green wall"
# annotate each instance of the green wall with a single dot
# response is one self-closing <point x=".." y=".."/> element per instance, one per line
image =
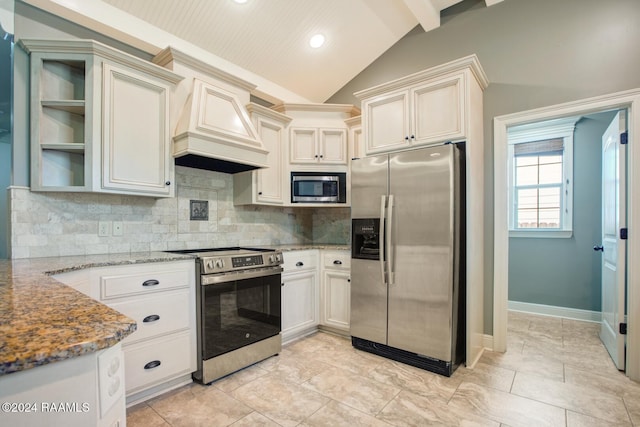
<point x="535" y="54"/>
<point x="566" y="272"/>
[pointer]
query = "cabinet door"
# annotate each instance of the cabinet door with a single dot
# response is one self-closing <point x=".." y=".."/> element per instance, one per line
<point x="438" y="111"/>
<point x="135" y="133"/>
<point x="304" y="142"/>
<point x="336" y="299"/>
<point x="333" y="146"/>
<point x="385" y="121"/>
<point x="270" y="181"/>
<point x="356" y="142"/>
<point x="299" y="303"/>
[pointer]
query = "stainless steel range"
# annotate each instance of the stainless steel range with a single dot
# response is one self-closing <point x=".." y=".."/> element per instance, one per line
<point x="238" y="309"/>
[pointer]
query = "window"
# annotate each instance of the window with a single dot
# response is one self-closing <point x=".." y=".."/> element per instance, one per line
<point x="540" y="184"/>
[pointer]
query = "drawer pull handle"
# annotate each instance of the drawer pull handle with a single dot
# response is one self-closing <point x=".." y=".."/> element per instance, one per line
<point x="152" y="364"/>
<point x="150" y="282"/>
<point x="299" y="264"/>
<point x="151" y="318"/>
<point x="337" y="262"/>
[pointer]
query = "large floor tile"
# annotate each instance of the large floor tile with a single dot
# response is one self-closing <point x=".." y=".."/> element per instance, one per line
<point x="418" y="381"/>
<point x="486" y="375"/>
<point x="143" y="416"/>
<point x="575" y="419"/>
<point x="534" y="363"/>
<point x="283" y="401"/>
<point x="408" y="409"/>
<point x="361" y="393"/>
<point x="336" y="414"/>
<point x="576" y="398"/>
<point x="197" y="405"/>
<point x="255" y="419"/>
<point x="506" y="408"/>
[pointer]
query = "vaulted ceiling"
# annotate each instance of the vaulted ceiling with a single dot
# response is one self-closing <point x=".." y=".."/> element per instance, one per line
<point x="264" y="40"/>
<point x="271" y="37"/>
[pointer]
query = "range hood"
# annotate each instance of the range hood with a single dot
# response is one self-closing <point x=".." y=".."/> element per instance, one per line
<point x="215" y="132"/>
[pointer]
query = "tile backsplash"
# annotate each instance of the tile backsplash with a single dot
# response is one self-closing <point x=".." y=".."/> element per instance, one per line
<point x="56" y="224"/>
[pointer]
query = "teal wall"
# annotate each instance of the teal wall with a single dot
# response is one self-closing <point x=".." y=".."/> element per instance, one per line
<point x="566" y="272"/>
<point x="6" y="125"/>
<point x="535" y="53"/>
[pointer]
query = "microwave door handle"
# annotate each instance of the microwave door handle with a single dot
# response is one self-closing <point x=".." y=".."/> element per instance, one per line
<point x="382" y="238"/>
<point x="389" y="242"/>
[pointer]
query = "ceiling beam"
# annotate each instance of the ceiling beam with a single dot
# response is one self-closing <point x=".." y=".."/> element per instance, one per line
<point x="426" y="12"/>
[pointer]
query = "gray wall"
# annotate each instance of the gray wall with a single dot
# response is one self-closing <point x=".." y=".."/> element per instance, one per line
<point x="566" y="272"/>
<point x="535" y="53"/>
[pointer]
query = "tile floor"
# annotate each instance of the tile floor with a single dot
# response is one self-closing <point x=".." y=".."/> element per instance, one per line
<point x="555" y="373"/>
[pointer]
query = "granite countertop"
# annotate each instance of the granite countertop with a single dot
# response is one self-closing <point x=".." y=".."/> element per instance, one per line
<point x="301" y="247"/>
<point x="43" y="321"/>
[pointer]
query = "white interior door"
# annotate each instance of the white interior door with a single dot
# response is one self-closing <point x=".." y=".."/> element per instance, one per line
<point x="613" y="247"/>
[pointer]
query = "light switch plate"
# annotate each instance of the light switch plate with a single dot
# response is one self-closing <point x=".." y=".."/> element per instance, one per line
<point x="104" y="228"/>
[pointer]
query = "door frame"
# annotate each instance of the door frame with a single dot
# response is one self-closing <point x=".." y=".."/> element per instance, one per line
<point x="627" y="99"/>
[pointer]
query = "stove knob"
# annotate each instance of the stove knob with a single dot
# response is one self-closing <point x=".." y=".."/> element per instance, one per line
<point x="210" y="265"/>
<point x="219" y="263"/>
<point x="279" y="257"/>
<point x="272" y="259"/>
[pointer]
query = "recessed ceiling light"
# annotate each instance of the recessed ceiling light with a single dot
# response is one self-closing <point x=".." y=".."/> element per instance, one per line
<point x="316" y="41"/>
<point x="240" y="1"/>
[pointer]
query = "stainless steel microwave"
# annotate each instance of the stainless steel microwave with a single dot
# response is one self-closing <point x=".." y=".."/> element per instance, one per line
<point x="318" y="187"/>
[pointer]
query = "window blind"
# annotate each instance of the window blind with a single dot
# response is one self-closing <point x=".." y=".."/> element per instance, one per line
<point x="535" y="148"/>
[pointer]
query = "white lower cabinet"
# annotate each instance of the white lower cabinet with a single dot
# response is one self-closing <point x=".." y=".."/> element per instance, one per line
<point x="300" y="309"/>
<point x="316" y="292"/>
<point x="77" y="392"/>
<point x="335" y="290"/>
<point x="160" y="297"/>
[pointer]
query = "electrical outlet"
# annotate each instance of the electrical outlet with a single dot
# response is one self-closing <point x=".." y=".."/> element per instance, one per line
<point x="104" y="228"/>
<point x="117" y="228"/>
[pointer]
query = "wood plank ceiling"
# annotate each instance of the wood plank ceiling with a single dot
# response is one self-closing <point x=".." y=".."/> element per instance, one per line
<point x="271" y="37"/>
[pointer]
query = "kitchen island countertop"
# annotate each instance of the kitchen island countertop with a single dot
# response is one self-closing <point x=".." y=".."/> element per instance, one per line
<point x="43" y="321"/>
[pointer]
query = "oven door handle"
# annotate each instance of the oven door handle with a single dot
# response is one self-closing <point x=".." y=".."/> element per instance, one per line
<point x="213" y="279"/>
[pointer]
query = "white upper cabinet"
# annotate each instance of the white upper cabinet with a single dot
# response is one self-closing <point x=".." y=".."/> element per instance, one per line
<point x="424" y="108"/>
<point x="356" y="139"/>
<point x="133" y="157"/>
<point x="318" y="137"/>
<point x="267" y="185"/>
<point x="318" y="145"/>
<point x="99" y="120"/>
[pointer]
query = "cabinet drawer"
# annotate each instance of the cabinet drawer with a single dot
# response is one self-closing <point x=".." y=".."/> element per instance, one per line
<point x="340" y="260"/>
<point x="152" y="362"/>
<point x="299" y="261"/>
<point x="156" y="314"/>
<point x="119" y="285"/>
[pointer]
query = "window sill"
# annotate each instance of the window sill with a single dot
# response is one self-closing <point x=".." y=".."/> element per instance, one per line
<point x="542" y="234"/>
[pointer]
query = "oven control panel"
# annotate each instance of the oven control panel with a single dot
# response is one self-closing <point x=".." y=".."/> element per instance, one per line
<point x="246" y="261"/>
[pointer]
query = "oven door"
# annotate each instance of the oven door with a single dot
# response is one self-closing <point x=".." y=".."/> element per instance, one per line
<point x="239" y="310"/>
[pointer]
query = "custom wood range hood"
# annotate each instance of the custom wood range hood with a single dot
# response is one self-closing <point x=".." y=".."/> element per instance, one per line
<point x="213" y="129"/>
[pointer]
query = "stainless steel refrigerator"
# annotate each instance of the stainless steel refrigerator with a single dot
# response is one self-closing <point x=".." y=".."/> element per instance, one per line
<point x="408" y="256"/>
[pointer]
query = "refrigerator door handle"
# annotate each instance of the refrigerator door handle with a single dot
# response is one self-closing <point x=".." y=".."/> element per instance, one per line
<point x="389" y="243"/>
<point x="383" y="237"/>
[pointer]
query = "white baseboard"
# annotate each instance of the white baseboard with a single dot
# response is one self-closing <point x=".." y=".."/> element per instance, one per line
<point x="487" y="342"/>
<point x="550" y="310"/>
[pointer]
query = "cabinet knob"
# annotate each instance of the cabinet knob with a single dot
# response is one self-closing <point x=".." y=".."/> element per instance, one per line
<point x="321" y="156"/>
<point x="349" y="280"/>
<point x="299" y="264"/>
<point x="259" y="193"/>
<point x="167" y="183"/>
<point x="413" y="137"/>
<point x="282" y="284"/>
<point x="406" y="138"/>
<point x="337" y="262"/>
<point x="316" y="156"/>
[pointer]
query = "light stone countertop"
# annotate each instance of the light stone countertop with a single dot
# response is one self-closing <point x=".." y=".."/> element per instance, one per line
<point x="301" y="247"/>
<point x="43" y="321"/>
